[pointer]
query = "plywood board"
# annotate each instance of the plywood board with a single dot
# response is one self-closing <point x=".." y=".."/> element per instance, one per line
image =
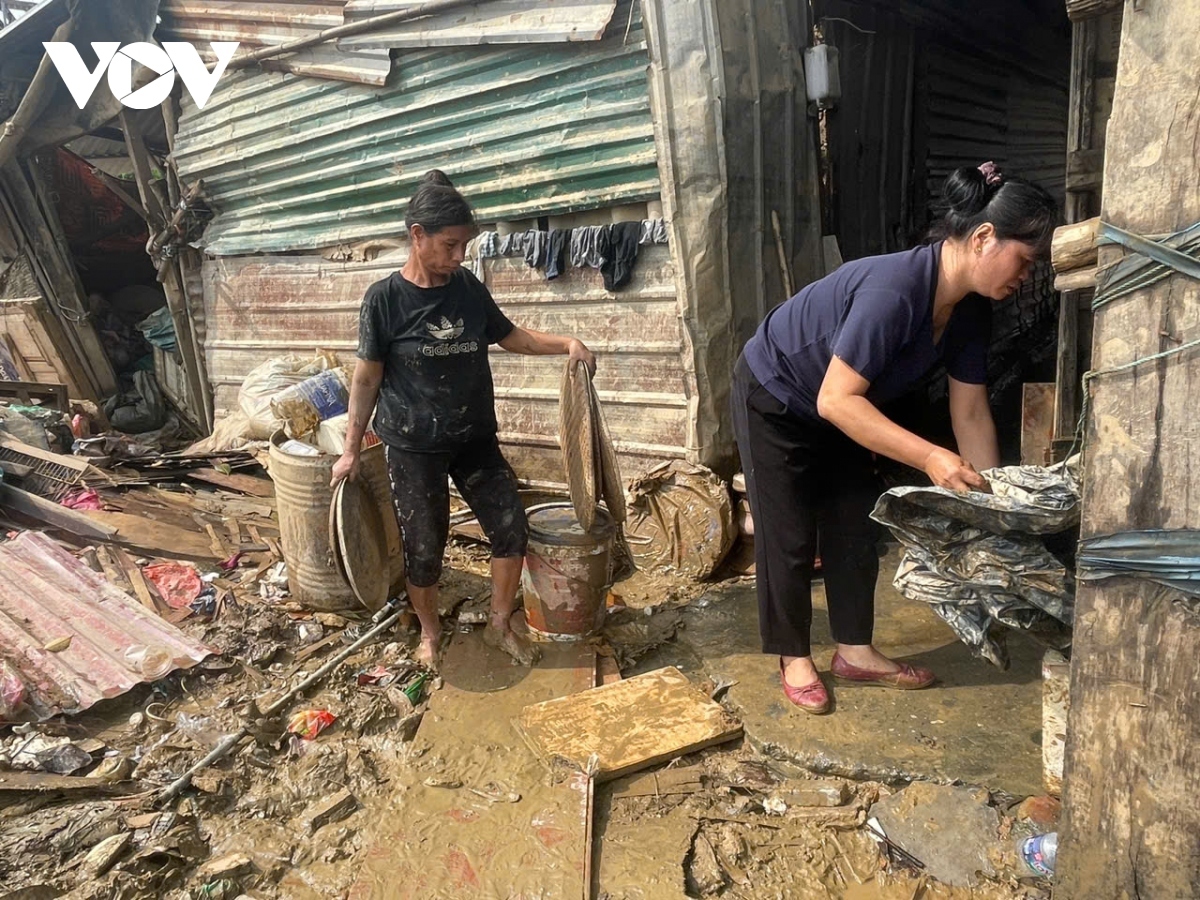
<point x="629" y="725"/>
<point x="155" y="538"/>
<point x="244" y="484"/>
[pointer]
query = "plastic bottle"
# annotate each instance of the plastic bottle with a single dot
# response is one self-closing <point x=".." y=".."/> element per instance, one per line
<point x="1040" y="853"/>
<point x="151" y="662"/>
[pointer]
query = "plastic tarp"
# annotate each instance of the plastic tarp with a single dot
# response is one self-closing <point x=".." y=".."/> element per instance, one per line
<point x="982" y="561"/>
<point x="159" y="329"/>
<point x="1170" y="558"/>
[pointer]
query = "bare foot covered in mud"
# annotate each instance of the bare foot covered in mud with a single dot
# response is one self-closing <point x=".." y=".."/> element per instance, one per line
<point x="428" y="652"/>
<point x="519" y="648"/>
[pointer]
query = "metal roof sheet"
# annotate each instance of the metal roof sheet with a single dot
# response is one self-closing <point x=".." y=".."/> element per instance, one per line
<point x="264" y="23"/>
<point x="294" y="163"/>
<point x="493" y="22"/>
<point x="47" y="594"/>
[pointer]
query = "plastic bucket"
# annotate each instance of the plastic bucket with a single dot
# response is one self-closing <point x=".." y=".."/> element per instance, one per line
<point x="567" y="572"/>
<point x="302" y="498"/>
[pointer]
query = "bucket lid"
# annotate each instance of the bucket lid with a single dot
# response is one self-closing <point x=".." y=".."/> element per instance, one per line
<point x="361" y="546"/>
<point x="556" y="523"/>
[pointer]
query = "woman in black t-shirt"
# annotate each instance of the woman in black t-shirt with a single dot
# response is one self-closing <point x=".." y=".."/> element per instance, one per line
<point x="805" y="410"/>
<point x="423" y="344"/>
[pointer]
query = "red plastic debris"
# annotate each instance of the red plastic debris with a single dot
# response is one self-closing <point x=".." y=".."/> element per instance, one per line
<point x="309" y="723"/>
<point x="177" y="584"/>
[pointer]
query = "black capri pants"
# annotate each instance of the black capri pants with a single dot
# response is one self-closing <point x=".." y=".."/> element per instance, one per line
<point x="421" y="493"/>
<point x="806" y="482"/>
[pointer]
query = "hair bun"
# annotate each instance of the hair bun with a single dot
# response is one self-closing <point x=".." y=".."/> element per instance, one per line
<point x="966" y="191"/>
<point x="437" y="176"/>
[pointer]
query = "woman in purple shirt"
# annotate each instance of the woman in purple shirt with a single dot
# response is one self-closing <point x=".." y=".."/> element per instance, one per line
<point x="806" y="395"/>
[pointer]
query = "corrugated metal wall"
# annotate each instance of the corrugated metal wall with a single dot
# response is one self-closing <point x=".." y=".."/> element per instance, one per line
<point x="296" y="163"/>
<point x="918" y="101"/>
<point x="258" y="307"/>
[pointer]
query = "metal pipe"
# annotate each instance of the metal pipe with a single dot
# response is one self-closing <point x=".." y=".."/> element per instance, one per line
<point x="391" y="614"/>
<point x="431" y="8"/>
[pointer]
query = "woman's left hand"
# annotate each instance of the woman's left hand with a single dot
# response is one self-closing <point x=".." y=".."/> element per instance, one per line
<point x="578" y="353"/>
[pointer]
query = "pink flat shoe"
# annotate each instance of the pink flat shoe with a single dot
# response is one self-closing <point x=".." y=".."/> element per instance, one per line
<point x="909" y="678"/>
<point x="812" y="698"/>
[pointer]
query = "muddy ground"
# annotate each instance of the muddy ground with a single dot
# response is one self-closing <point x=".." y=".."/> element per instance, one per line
<point x="723" y="822"/>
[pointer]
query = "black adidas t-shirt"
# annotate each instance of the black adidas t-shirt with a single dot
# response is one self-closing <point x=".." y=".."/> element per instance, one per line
<point x="437" y="384"/>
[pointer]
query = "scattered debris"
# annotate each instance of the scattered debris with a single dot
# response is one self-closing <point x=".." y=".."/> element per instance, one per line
<point x="952" y="830"/>
<point x="331" y="809"/>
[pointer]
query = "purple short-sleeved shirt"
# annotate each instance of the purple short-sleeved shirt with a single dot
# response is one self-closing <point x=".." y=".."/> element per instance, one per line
<point x="876" y="315"/>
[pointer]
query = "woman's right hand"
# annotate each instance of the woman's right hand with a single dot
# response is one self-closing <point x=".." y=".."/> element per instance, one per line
<point x="347" y="466"/>
<point x="949" y="470"/>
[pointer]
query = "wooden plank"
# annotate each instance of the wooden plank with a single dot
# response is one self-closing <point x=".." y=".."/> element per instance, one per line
<point x="1087" y="9"/>
<point x="1037" y="424"/>
<point x="1066" y="373"/>
<point x="81" y="524"/>
<point x="216" y="543"/>
<point x="629" y="725"/>
<point x="39" y="343"/>
<point x="1131" y="826"/>
<point x="1078" y="280"/>
<point x="150" y="537"/>
<point x="137" y="581"/>
<point x="245" y="484"/>
<point x="685" y="780"/>
<point x="44" y="782"/>
<point x="455" y="839"/>
<point x="1075" y="246"/>
<point x="53" y="396"/>
<point x="114" y="573"/>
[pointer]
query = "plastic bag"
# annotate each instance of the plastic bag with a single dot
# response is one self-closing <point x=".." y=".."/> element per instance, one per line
<point x="230" y="433"/>
<point x="305" y="406"/>
<point x="982" y="561"/>
<point x="270" y="379"/>
<point x="331" y="435"/>
<point x="680" y="519"/>
<point x="138" y="410"/>
<point x="178" y="584"/>
<point x="309" y="723"/>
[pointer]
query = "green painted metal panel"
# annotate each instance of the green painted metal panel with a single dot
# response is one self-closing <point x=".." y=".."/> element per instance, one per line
<point x="294" y="163"/>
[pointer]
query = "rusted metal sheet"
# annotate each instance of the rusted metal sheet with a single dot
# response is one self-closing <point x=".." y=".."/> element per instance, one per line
<point x="258" y="307"/>
<point x="524" y="131"/>
<point x="494" y="22"/>
<point x="46" y="595"/>
<point x="265" y="23"/>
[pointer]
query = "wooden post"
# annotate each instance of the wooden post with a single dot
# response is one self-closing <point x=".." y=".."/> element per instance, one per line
<point x="27" y="207"/>
<point x="158" y="209"/>
<point x="1131" y="816"/>
<point x="1079" y="205"/>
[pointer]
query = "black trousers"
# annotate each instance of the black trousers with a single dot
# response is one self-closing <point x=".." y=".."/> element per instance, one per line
<point x="807" y="483"/>
<point x="422" y="497"/>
